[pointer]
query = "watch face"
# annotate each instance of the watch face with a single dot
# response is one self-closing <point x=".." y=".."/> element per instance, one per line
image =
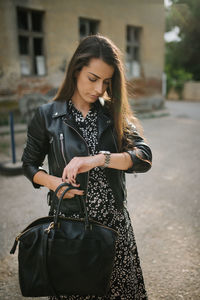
<point x="104" y="152"/>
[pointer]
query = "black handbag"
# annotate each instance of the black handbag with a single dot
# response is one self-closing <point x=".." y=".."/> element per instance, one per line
<point x="65" y="256"/>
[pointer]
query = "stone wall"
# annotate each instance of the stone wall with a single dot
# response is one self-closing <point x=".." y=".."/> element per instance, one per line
<point x="191" y="91"/>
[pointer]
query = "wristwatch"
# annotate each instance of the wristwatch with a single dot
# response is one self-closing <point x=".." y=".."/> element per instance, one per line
<point x="107" y="158"/>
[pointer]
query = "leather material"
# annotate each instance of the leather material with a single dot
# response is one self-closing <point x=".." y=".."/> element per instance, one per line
<point x="65" y="256"/>
<point x="53" y="132"/>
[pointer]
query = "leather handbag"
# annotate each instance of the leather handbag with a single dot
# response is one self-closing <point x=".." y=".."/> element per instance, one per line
<point x="65" y="256"/>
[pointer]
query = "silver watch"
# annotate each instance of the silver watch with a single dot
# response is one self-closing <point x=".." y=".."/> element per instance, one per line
<point x="107" y="158"/>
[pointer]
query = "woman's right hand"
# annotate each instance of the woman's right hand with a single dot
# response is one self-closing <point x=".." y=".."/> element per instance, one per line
<point x="56" y="181"/>
<point x="71" y="193"/>
<point x="52" y="182"/>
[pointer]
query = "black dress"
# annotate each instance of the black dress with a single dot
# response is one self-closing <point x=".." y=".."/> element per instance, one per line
<point x="127" y="280"/>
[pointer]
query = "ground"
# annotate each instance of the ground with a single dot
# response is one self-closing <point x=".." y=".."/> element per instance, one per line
<point x="163" y="204"/>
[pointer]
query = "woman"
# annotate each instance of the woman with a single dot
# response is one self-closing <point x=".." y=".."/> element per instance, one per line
<point x="90" y="137"/>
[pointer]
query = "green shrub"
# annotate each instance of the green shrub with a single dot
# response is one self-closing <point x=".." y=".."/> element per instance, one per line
<point x="176" y="79"/>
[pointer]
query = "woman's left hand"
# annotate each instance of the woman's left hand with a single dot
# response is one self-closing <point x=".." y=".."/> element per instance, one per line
<point x="80" y="165"/>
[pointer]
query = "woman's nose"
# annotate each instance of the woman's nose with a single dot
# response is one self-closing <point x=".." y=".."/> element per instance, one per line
<point x="99" y="88"/>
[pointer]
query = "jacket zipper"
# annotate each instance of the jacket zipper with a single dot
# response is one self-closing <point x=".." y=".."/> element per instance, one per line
<point x="141" y="158"/>
<point x="52" y="143"/>
<point x="87" y="153"/>
<point x="62" y="147"/>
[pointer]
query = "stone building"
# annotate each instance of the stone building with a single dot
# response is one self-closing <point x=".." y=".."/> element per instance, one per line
<point x="37" y="39"/>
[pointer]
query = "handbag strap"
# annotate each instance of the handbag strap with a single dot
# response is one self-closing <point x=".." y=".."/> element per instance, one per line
<point x="69" y="187"/>
<point x="60" y="199"/>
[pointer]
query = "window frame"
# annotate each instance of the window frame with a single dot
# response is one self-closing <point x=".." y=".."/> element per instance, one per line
<point x="31" y="34"/>
<point x="134" y="45"/>
<point x="87" y="21"/>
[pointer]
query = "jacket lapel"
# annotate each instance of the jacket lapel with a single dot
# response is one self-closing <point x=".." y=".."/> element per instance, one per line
<point x="60" y="109"/>
<point x="103" y="120"/>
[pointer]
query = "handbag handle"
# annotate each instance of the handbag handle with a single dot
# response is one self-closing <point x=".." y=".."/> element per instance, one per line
<point x="69" y="187"/>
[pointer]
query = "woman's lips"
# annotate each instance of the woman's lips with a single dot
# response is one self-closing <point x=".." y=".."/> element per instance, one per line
<point x="94" y="97"/>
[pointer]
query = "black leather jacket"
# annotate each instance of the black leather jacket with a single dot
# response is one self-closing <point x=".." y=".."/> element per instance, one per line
<point x="53" y="132"/>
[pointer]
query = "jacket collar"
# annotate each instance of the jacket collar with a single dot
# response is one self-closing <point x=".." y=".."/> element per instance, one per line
<point x="104" y="121"/>
<point x="60" y="109"/>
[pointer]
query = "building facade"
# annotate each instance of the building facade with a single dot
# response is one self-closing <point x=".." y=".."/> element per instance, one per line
<point x="38" y="38"/>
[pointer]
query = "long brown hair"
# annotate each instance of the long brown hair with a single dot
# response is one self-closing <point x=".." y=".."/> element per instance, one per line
<point x="97" y="46"/>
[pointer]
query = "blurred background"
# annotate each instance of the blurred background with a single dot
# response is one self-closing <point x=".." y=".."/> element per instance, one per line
<point x="160" y="45"/>
<point x="38" y="39"/>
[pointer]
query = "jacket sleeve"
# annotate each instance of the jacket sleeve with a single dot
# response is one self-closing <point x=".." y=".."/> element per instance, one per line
<point x="138" y="150"/>
<point x="36" y="147"/>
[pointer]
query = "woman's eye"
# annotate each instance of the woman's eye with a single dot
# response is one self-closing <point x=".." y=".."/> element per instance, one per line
<point x="92" y="79"/>
<point x="106" y="82"/>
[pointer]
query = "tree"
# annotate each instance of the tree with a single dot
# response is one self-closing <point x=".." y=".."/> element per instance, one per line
<point x="183" y="57"/>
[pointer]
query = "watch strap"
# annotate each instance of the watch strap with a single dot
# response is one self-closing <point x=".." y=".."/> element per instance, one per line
<point x="107" y="158"/>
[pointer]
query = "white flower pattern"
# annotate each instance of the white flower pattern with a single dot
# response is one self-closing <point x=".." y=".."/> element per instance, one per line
<point x="127" y="281"/>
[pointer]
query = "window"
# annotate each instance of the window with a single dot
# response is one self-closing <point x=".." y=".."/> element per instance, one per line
<point x="133" y="51"/>
<point x="87" y="27"/>
<point x="31" y="41"/>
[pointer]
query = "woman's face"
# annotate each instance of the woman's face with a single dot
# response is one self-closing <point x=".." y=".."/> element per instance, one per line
<point x="92" y="81"/>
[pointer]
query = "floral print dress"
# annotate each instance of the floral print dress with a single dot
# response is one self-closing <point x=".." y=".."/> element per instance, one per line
<point x="127" y="280"/>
